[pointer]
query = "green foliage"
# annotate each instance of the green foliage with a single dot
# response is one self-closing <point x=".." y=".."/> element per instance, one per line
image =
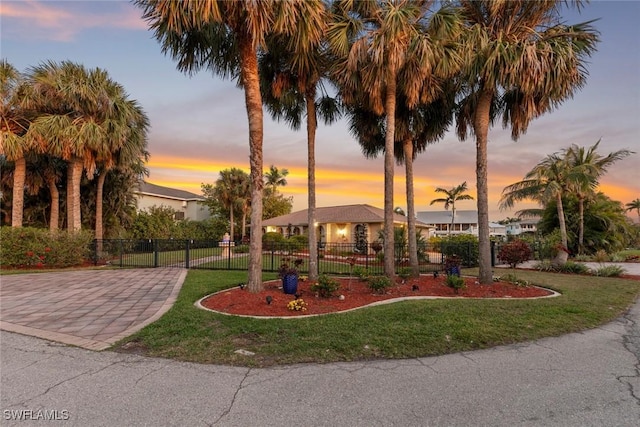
<point x="272" y="240"/>
<point x="455" y="282"/>
<point x="512" y="278"/>
<point x="378" y="283"/>
<point x="568" y="267"/>
<point x="405" y="273"/>
<point x="277" y="204"/>
<point x="609" y="271"/>
<point x="39" y="248"/>
<point x="360" y="272"/>
<point x="463" y="245"/>
<point x="326" y="286"/>
<point x="157" y="222"/>
<point x="515" y="252"/>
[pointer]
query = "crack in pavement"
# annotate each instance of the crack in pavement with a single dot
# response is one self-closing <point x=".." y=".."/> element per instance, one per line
<point x="631" y="342"/>
<point x="66" y="380"/>
<point x="233" y="399"/>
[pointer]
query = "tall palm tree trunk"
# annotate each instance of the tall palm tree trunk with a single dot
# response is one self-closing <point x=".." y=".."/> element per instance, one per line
<point x="581" y="225"/>
<point x="411" y="217"/>
<point x="481" y="130"/>
<point x="453" y="217"/>
<point x="563" y="255"/>
<point x="54" y="215"/>
<point x="312" y="125"/>
<point x="253" y="101"/>
<point x="17" y="202"/>
<point x="99" y="194"/>
<point x="73" y="194"/>
<point x="390" y="110"/>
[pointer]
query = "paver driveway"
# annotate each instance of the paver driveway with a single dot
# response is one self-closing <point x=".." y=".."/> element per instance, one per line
<point x="89" y="308"/>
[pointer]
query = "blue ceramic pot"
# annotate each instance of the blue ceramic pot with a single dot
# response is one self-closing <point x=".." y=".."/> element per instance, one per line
<point x="290" y="284"/>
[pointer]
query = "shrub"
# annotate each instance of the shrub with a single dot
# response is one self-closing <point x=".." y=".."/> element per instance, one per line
<point x="34" y="247"/>
<point x="601" y="256"/>
<point x="361" y="273"/>
<point x="463" y="245"/>
<point x="455" y="282"/>
<point x="405" y="273"/>
<point x="573" y="267"/>
<point x="512" y="278"/>
<point x="326" y="286"/>
<point x="609" y="271"/>
<point x="379" y="283"/>
<point x="515" y="252"/>
<point x="272" y="241"/>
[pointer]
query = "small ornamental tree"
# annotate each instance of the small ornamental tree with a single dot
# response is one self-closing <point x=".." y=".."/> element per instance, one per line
<point x="515" y="252"/>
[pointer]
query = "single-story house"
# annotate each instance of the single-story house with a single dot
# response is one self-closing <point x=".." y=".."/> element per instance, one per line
<point x="355" y="224"/>
<point x="465" y="222"/>
<point x="187" y="205"/>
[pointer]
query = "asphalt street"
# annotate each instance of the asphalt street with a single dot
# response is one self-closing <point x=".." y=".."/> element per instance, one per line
<point x="583" y="379"/>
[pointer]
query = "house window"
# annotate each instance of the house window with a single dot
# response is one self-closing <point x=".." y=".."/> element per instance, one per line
<point x="178" y="216"/>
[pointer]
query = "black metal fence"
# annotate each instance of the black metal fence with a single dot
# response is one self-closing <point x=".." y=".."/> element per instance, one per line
<point x="333" y="258"/>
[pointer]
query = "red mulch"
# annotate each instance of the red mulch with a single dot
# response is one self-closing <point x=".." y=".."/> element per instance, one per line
<point x="356" y="294"/>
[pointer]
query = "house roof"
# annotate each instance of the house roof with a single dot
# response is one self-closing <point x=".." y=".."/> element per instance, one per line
<point x="337" y="214"/>
<point x="149" y="189"/>
<point x="444" y="217"/>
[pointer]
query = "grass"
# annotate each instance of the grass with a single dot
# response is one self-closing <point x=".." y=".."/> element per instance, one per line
<point x="400" y="330"/>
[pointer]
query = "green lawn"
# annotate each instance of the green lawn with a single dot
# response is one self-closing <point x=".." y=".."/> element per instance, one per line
<point x="400" y="330"/>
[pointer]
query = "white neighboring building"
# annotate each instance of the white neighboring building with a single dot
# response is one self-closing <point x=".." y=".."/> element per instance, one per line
<point x="187" y="205"/>
<point x="522" y="226"/>
<point x="465" y="222"/>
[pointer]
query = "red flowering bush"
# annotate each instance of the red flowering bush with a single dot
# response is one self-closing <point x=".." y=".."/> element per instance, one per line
<point x="515" y="252"/>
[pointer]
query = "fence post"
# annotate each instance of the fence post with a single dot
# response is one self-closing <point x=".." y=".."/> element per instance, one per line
<point x="493" y="253"/>
<point x="186" y="254"/>
<point x="121" y="251"/>
<point x="155" y="252"/>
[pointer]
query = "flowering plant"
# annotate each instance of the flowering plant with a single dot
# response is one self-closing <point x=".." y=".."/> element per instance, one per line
<point x="297" y="304"/>
<point x="286" y="269"/>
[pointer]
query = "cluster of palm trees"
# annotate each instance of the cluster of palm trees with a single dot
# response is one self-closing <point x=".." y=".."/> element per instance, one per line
<point x="575" y="171"/>
<point x="60" y="120"/>
<point x="232" y="192"/>
<point x="400" y="63"/>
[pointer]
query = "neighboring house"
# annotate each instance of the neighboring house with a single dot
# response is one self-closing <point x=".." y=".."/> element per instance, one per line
<point x="523" y="226"/>
<point x="185" y="204"/>
<point x="355" y="224"/>
<point x="465" y="222"/>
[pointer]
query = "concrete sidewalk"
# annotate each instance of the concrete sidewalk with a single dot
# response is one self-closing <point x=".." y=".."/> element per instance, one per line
<point x="92" y="309"/>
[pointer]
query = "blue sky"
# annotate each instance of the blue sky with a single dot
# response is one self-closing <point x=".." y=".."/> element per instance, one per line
<point x="199" y="124"/>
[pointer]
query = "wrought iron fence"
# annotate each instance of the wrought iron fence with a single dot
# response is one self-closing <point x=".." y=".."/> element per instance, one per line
<point x="333" y="258"/>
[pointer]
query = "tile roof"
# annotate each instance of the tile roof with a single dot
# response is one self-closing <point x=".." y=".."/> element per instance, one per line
<point x="337" y="214"/>
<point x="166" y="192"/>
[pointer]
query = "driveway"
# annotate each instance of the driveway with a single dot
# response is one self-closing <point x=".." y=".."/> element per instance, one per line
<point x="89" y="308"/>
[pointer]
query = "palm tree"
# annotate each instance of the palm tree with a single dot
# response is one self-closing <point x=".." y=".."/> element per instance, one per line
<point x="378" y="44"/>
<point x="292" y="72"/>
<point x="634" y="205"/>
<point x="224" y="36"/>
<point x="521" y="63"/>
<point x="453" y="195"/>
<point x="127" y="142"/>
<point x="229" y="190"/>
<point x="416" y="128"/>
<point x="548" y="181"/>
<point x="76" y="123"/>
<point x="13" y="125"/>
<point x="589" y="166"/>
<point x="275" y="178"/>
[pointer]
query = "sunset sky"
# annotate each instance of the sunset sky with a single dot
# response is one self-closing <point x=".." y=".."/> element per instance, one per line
<point x="199" y="123"/>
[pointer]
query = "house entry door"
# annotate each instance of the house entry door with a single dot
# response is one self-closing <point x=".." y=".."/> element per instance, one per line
<point x="360" y="234"/>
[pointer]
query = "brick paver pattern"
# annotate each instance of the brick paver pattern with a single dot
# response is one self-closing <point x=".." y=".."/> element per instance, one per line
<point x="88" y="308"/>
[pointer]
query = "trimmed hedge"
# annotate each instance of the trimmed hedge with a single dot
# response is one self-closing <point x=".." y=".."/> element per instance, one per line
<point x="39" y="248"/>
